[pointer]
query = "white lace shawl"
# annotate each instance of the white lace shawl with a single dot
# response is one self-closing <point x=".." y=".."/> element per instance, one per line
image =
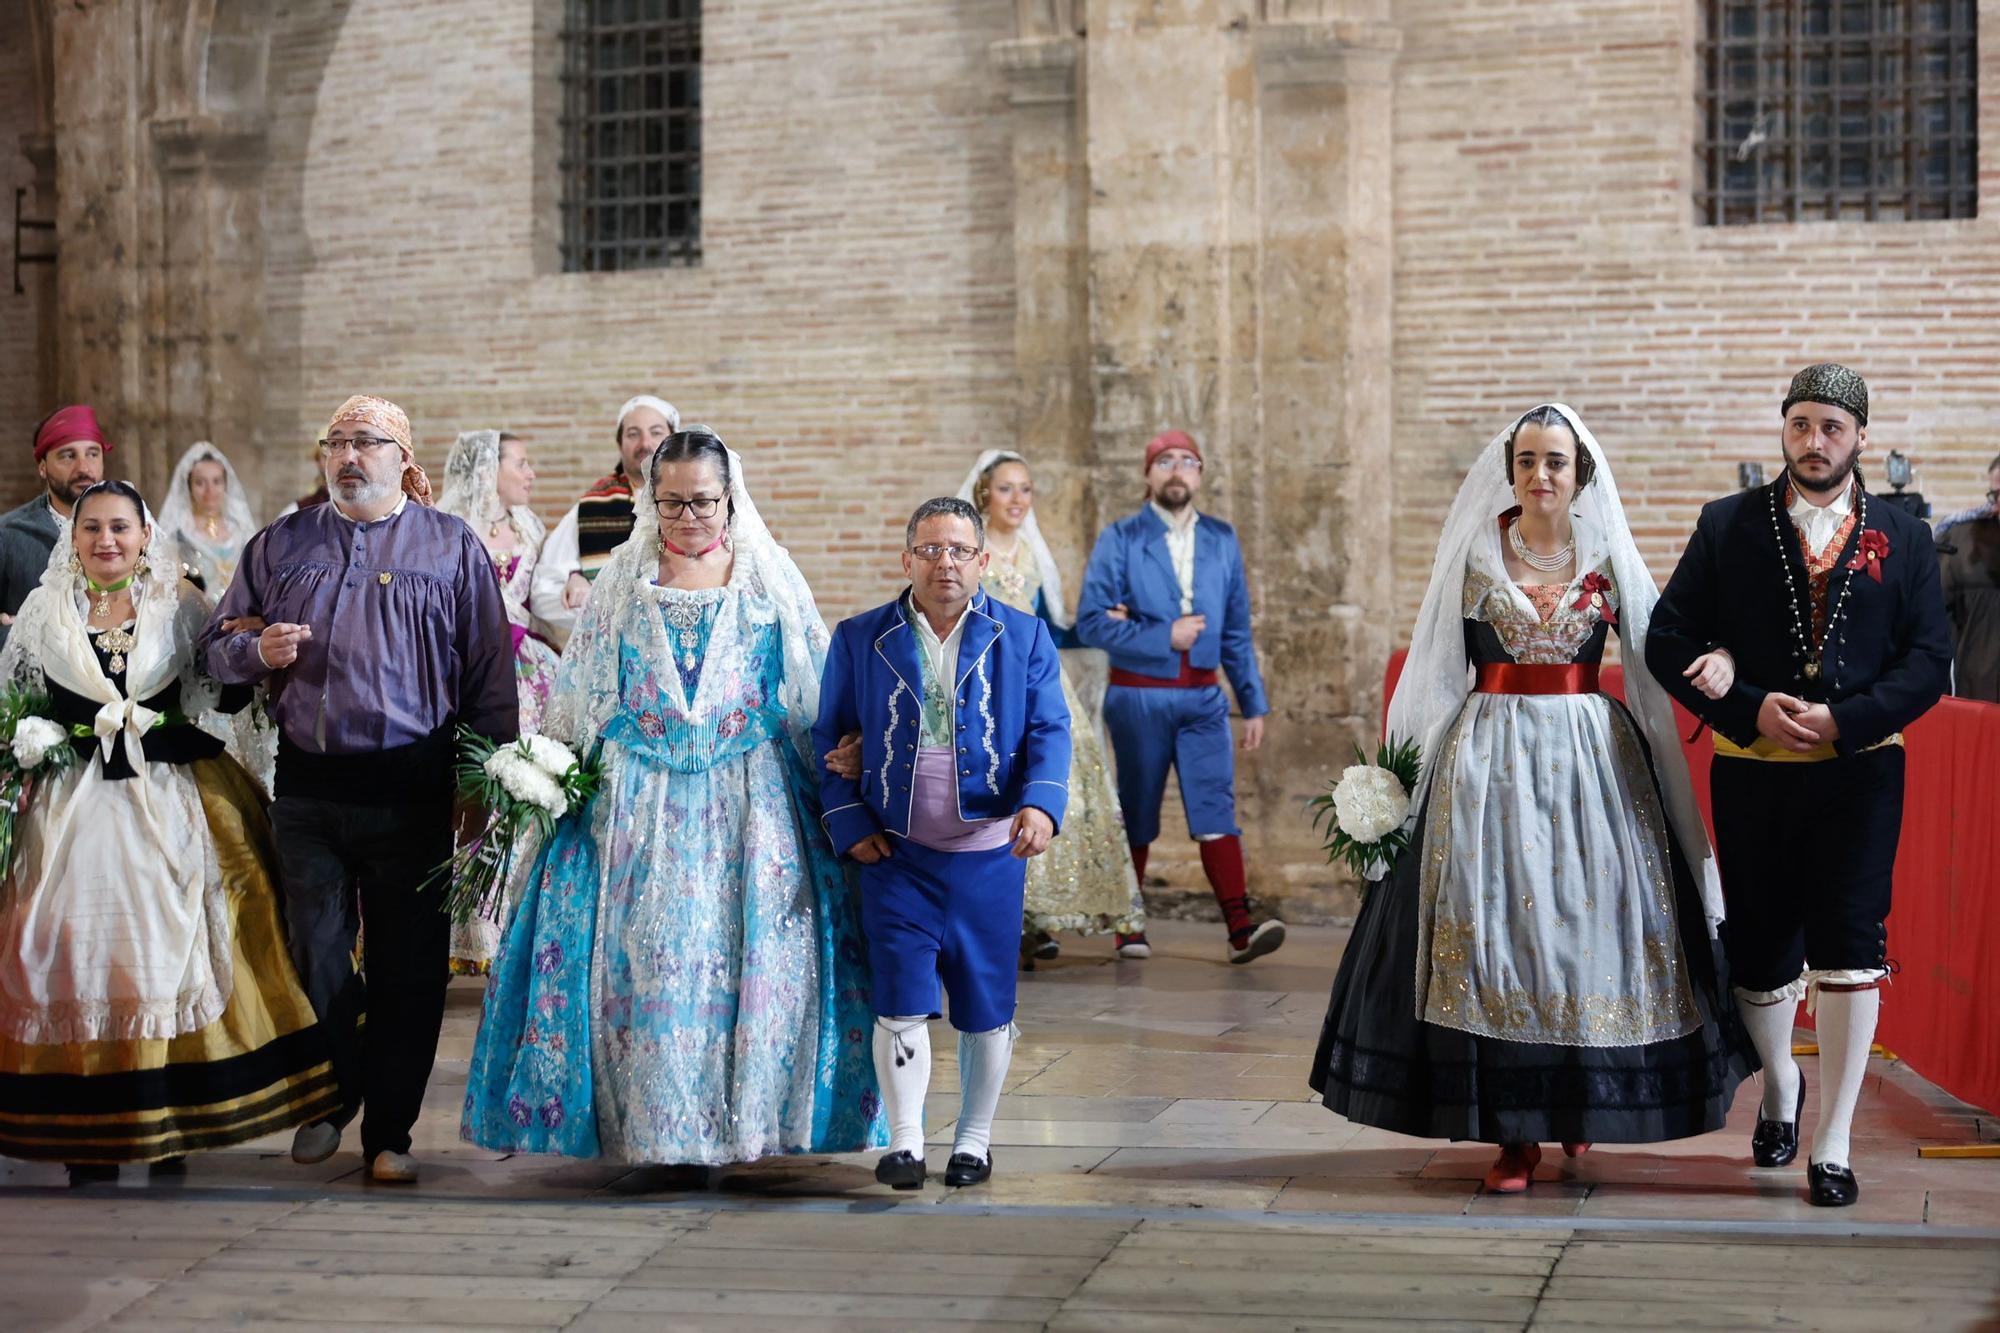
<point x="766" y="584"/>
<point x="1437" y="677"/>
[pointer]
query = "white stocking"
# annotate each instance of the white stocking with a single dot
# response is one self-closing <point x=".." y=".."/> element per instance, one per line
<point x="982" y="1068"/>
<point x="1846" y="1022"/>
<point x="902" y="1049"/>
<point x="1770" y="1028"/>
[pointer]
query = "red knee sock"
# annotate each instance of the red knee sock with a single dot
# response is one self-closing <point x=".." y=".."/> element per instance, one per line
<point x="1222" y="861"/>
<point x="1140" y="851"/>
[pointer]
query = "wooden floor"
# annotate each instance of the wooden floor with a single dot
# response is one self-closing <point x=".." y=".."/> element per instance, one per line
<point x="1160" y="1164"/>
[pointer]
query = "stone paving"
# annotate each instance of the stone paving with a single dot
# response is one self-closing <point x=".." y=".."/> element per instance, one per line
<point x="1160" y="1164"/>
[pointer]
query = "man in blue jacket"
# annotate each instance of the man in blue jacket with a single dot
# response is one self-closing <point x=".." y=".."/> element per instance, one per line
<point x="964" y="775"/>
<point x="1164" y="595"/>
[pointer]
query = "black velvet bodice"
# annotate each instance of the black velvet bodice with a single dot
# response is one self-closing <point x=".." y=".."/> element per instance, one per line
<point x="172" y="740"/>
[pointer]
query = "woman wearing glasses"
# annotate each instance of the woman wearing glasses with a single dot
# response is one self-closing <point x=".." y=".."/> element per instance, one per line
<point x="1085" y="881"/>
<point x="684" y="980"/>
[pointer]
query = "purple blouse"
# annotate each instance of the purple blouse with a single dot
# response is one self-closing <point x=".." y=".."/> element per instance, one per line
<point x="408" y="629"/>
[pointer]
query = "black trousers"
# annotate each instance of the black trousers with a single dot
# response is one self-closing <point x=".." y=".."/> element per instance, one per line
<point x="1807" y="854"/>
<point x="344" y="864"/>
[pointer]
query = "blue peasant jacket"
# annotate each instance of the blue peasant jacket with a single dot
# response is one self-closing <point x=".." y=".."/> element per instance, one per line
<point x="1132" y="567"/>
<point x="1010" y="722"/>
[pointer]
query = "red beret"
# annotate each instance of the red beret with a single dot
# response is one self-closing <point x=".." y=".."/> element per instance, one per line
<point x="65" y="425"/>
<point x="1171" y="439"/>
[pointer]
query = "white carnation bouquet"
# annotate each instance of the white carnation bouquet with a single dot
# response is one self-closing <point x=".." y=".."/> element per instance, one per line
<point x="524" y="787"/>
<point x="36" y="746"/>
<point x="1365" y="810"/>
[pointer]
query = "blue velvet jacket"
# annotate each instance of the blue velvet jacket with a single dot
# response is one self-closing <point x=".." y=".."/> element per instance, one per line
<point x="1131" y="566"/>
<point x="1011" y="724"/>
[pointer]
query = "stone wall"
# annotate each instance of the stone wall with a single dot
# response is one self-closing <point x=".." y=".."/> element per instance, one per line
<point x="27" y="360"/>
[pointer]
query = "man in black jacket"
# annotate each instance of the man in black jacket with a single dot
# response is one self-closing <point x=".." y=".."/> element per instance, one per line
<point x="1824" y="605"/>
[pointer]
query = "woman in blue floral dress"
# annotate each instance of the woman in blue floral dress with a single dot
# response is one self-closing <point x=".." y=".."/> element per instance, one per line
<point x="683" y="980"/>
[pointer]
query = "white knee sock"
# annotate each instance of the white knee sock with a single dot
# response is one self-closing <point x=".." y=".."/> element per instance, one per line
<point x="1846" y="1022"/>
<point x="1770" y="1028"/>
<point x="982" y="1069"/>
<point x="902" y="1049"/>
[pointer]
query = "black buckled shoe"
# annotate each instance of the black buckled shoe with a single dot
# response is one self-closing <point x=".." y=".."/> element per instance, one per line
<point x="965" y="1169"/>
<point x="1775" y="1142"/>
<point x="1830" y="1185"/>
<point x="901" y="1171"/>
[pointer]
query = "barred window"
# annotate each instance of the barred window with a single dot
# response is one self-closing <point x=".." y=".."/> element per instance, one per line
<point x="1823" y="109"/>
<point x="631" y="163"/>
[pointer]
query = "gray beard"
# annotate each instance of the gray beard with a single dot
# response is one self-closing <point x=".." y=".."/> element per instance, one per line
<point x="361" y="492"/>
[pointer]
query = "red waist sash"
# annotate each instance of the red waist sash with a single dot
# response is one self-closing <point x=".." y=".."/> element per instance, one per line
<point x="1536" y="678"/>
<point x="1191" y="678"/>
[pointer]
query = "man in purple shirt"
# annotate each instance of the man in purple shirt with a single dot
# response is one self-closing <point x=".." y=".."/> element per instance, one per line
<point x="382" y="631"/>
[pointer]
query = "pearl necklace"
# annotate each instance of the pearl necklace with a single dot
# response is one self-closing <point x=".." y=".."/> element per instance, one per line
<point x="1547" y="564"/>
<point x="1805" y="652"/>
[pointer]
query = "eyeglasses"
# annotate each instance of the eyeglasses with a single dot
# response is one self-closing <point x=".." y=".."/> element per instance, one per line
<point x="703" y="506"/>
<point x="361" y="444"/>
<point x="1177" y="463"/>
<point x="1993" y="497"/>
<point x="931" y="552"/>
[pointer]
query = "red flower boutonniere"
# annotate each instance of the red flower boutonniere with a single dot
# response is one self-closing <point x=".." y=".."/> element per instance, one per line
<point x="1592" y="593"/>
<point x="1874" y="550"/>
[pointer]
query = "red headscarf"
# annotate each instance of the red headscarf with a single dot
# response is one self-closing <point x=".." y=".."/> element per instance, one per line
<point x="66" y="425"/>
<point x="1170" y="439"/>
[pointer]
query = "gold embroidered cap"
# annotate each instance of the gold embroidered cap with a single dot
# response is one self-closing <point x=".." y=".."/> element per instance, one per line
<point x="1833" y="384"/>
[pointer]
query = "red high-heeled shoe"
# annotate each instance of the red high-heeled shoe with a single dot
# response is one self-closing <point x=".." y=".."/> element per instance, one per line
<point x="1512" y="1170"/>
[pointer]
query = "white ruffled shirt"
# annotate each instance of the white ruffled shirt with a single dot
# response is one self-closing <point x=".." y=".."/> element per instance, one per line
<point x="1180" y="547"/>
<point x="1819" y="522"/>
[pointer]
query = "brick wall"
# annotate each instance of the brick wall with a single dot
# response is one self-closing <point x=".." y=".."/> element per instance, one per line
<point x="1545" y="248"/>
<point x="850" y="329"/>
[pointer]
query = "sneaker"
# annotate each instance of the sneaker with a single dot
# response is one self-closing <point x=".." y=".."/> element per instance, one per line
<point x="393" y="1168"/>
<point x="1134" y="946"/>
<point x="1256" y="943"/>
<point x="315" y="1142"/>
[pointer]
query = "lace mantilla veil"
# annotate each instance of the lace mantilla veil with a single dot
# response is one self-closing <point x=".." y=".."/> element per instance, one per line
<point x="1031" y="536"/>
<point x="1436" y="675"/>
<point x="177" y="509"/>
<point x="471" y="491"/>
<point x="585" y="696"/>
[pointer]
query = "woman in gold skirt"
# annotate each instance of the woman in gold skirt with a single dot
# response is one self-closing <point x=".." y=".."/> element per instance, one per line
<point x="1084" y="882"/>
<point x="148" y="1006"/>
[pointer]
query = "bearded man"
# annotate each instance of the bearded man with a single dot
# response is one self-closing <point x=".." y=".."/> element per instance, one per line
<point x="1164" y="594"/>
<point x="69" y="458"/>
<point x="1820" y="609"/>
<point x="380" y="631"/>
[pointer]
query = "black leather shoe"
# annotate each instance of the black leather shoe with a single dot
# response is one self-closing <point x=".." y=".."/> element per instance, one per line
<point x="901" y="1171"/>
<point x="1776" y="1143"/>
<point x="965" y="1169"/>
<point x="92" y="1173"/>
<point x="1831" y="1186"/>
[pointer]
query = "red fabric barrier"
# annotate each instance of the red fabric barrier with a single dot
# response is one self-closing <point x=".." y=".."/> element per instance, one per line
<point x="1941" y="1014"/>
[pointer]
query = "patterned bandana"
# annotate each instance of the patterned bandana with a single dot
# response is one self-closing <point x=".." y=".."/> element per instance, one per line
<point x="383" y="415"/>
<point x="1832" y="384"/>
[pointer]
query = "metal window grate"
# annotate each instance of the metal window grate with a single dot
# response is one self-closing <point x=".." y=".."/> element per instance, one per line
<point x="1823" y="109"/>
<point x="631" y="124"/>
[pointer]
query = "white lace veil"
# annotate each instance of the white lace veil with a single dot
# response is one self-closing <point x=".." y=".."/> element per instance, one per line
<point x="471" y="488"/>
<point x="1436" y="676"/>
<point x="1031" y="536"/>
<point x="585" y="696"/>
<point x="176" y="517"/>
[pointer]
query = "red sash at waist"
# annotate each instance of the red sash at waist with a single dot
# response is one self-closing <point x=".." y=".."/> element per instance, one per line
<point x="1191" y="678"/>
<point x="1536" y="678"/>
